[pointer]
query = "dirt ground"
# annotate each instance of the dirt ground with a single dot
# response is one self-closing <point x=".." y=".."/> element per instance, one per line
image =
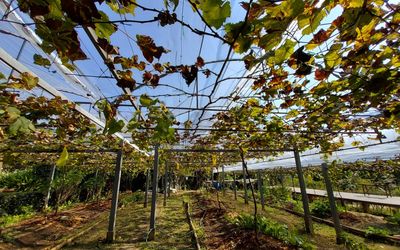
<point x="46" y="230"/>
<point x="219" y="234"/>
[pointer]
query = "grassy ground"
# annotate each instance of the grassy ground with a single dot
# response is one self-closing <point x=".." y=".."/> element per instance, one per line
<point x="324" y="237"/>
<point x="172" y="231"/>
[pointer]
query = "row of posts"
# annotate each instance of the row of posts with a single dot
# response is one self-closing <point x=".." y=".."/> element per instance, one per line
<point x="307" y="216"/>
<point x="114" y="202"/>
<point x="305" y="201"/>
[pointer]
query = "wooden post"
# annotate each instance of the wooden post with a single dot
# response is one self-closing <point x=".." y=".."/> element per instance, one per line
<point x="234" y="185"/>
<point x="114" y="201"/>
<point x="165" y="185"/>
<point x="304" y="196"/>
<point x="246" y="199"/>
<point x="154" y="195"/>
<point x="260" y="189"/>
<point x="146" y="191"/>
<point x="332" y="203"/>
<point x="51" y="178"/>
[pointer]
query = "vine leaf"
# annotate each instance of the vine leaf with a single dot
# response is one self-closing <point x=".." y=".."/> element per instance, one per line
<point x="283" y="52"/>
<point x="21" y="126"/>
<point x="146" y="101"/>
<point x="104" y="29"/>
<point x="215" y="12"/>
<point x="189" y="73"/>
<point x="321" y="74"/>
<point x="80" y="11"/>
<point x="62" y="161"/>
<point x="122" y="7"/>
<point x="149" y="48"/>
<point x="40" y="60"/>
<point x="25" y="81"/>
<point x="114" y="126"/>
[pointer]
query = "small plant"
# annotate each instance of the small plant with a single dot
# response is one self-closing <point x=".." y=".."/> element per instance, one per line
<point x="320" y="208"/>
<point x="278" y="194"/>
<point x="7" y="220"/>
<point x="374" y="232"/>
<point x="395" y="219"/>
<point x="137" y="196"/>
<point x="272" y="228"/>
<point x="352" y="244"/>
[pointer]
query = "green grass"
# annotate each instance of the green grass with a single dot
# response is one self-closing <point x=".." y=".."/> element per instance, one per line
<point x="172" y="229"/>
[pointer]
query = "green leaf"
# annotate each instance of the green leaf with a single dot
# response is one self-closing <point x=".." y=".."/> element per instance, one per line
<point x="128" y="7"/>
<point x="104" y="30"/>
<point x="115" y="126"/>
<point x="283" y="52"/>
<point x="146" y="101"/>
<point x="13" y="113"/>
<point x="39" y="60"/>
<point x="333" y="57"/>
<point x="215" y="12"/>
<point x="292" y="8"/>
<point x="269" y="41"/>
<point x="62" y="161"/>
<point x="21" y="126"/>
<point x="2" y="76"/>
<point x="26" y="81"/>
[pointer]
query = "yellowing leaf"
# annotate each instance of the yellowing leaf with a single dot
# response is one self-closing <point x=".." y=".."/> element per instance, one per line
<point x="333" y="57"/>
<point x="62" y="161"/>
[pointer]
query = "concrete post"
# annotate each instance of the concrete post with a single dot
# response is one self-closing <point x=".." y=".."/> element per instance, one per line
<point x="114" y="201"/>
<point x="154" y="195"/>
<point x="332" y="203"/>
<point x="304" y="196"/>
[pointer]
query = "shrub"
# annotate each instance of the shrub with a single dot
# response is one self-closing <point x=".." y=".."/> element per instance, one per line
<point x="134" y="197"/>
<point x="352" y="244"/>
<point x="278" y="195"/>
<point x="395" y="219"/>
<point x="20" y="180"/>
<point x="376" y="233"/>
<point x="320" y="208"/>
<point x="271" y="228"/>
<point x="15" y="202"/>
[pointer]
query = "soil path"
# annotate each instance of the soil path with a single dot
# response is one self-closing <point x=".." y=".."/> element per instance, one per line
<point x="219" y="234"/>
<point x="41" y="231"/>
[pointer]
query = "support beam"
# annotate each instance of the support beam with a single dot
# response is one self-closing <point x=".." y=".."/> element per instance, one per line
<point x="114" y="201"/>
<point x="154" y="196"/>
<point x="223" y="150"/>
<point x="246" y="198"/>
<point x="332" y="203"/>
<point x="51" y="178"/>
<point x="260" y="189"/>
<point x="304" y="196"/>
<point x="146" y="191"/>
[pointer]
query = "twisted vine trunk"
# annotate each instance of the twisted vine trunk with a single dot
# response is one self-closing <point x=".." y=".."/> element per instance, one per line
<point x="253" y="195"/>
